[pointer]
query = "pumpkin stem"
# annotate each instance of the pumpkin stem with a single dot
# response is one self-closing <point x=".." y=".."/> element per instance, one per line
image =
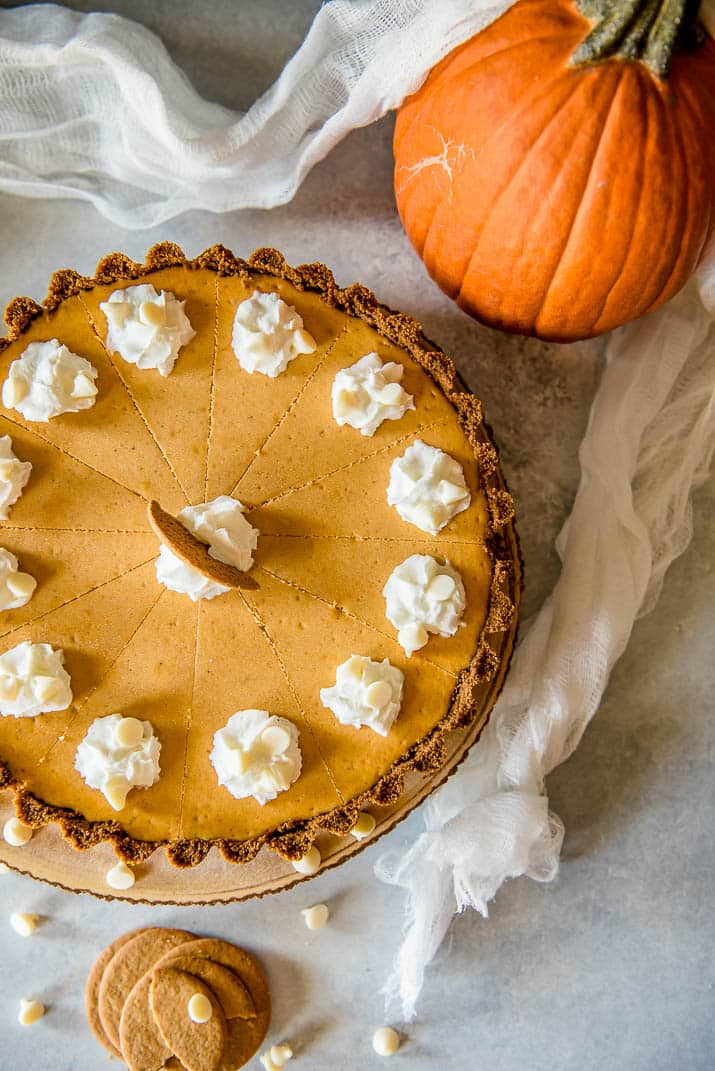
<point x="650" y="31"/>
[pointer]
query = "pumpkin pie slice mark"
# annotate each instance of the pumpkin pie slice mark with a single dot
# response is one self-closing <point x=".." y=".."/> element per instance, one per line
<point x="212" y="392"/>
<point x="247" y="406"/>
<point x="330" y="447"/>
<point x="132" y="398"/>
<point x="287" y="412"/>
<point x="74" y="598"/>
<point x="350" y="577"/>
<point x="418" y="656"/>
<point x="421" y="430"/>
<point x="74" y="531"/>
<point x="73" y="457"/>
<point x="78" y="710"/>
<point x="180" y="401"/>
<point x="150" y="680"/>
<point x="188" y="720"/>
<point x="291" y="688"/>
<point x="65" y="578"/>
<point x="63" y="492"/>
<point x="429" y="540"/>
<point x="357" y="758"/>
<point x="84" y="434"/>
<point x="237" y="670"/>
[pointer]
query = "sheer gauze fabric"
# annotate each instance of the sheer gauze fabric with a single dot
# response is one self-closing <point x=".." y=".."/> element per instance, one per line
<point x="75" y="87"/>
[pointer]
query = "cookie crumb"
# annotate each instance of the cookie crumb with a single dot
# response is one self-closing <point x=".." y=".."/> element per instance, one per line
<point x="386" y="1041"/>
<point x="316" y="916"/>
<point x="120" y="876"/>
<point x="30" y="1011"/>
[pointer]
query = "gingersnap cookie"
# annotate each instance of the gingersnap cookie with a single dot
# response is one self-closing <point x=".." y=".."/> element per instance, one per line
<point x="143" y="1047"/>
<point x="91" y="993"/>
<point x="235" y="1000"/>
<point x="198" y="1039"/>
<point x="126" y="967"/>
<point x="244" y="1036"/>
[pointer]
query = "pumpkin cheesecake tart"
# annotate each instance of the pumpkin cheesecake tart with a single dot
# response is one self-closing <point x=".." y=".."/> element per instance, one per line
<point x="256" y="555"/>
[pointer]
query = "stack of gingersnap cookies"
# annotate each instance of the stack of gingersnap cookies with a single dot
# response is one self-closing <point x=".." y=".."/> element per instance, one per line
<point x="164" y="998"/>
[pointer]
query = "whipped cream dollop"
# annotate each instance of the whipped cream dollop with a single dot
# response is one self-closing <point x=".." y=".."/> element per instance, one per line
<point x="117" y="755"/>
<point x="48" y="380"/>
<point x="369" y="392"/>
<point x="230" y="538"/>
<point x="427" y="487"/>
<point x="33" y="681"/>
<point x="268" y="334"/>
<point x="14" y="475"/>
<point x="176" y="575"/>
<point x="365" y="693"/>
<point x="147" y="328"/>
<point x="423" y="596"/>
<point x="16" y="587"/>
<point x="256" y="754"/>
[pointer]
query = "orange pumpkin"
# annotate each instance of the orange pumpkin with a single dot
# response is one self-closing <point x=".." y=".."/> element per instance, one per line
<point x="556" y="173"/>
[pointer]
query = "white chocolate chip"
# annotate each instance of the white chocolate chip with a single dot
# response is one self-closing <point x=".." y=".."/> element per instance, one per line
<point x="83" y="386"/>
<point x="199" y="1008"/>
<point x="316" y="916"/>
<point x="364" y="826"/>
<point x="275" y="1058"/>
<point x="386" y="1041"/>
<point x="442" y="587"/>
<point x="13" y="391"/>
<point x="120" y="876"/>
<point x="276" y="739"/>
<point x="43" y="688"/>
<point x="152" y="314"/>
<point x="21" y="585"/>
<point x="9" y="687"/>
<point x="379" y="694"/>
<point x="412" y="637"/>
<point x="450" y="492"/>
<point x="391" y="394"/>
<point x="23" y="923"/>
<point x="16" y="832"/>
<point x="309" y="863"/>
<point x="30" y="1012"/>
<point x="116" y="791"/>
<point x="129" y="732"/>
<point x="117" y="311"/>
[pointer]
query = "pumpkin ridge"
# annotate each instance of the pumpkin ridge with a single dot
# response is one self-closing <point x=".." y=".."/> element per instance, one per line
<point x="675" y="215"/>
<point x="522" y="104"/>
<point x="575" y="87"/>
<point x="634" y="217"/>
<point x="435" y="87"/>
<point x="579" y="204"/>
<point x="525" y="103"/>
<point x="667" y="290"/>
